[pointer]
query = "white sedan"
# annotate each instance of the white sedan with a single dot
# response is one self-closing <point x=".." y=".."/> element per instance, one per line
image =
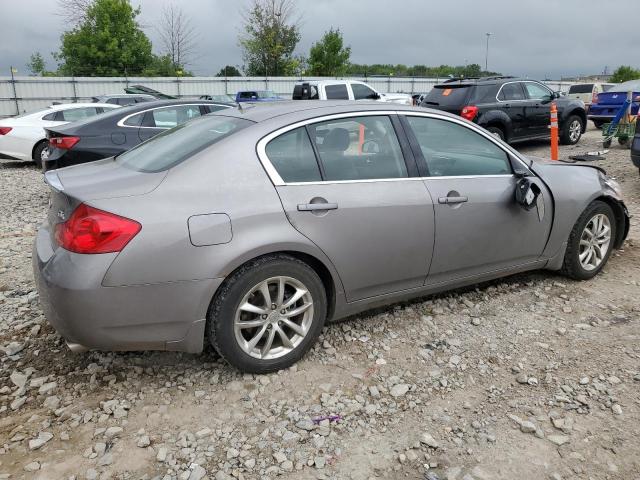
<point x="23" y="137"/>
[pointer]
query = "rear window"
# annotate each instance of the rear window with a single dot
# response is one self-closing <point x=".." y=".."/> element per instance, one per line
<point x="582" y="88"/>
<point x="176" y="145"/>
<point x="448" y="95"/>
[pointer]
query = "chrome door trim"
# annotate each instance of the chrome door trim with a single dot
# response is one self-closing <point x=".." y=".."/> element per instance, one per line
<point x="279" y="182"/>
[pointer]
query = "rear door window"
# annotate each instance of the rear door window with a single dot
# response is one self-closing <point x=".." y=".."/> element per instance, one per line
<point x="511" y="91"/>
<point x="169" y="117"/>
<point x="336" y="92"/>
<point x="292" y="156"/>
<point x="359" y="148"/>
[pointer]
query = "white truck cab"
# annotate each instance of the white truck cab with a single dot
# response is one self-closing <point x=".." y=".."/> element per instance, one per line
<point x="345" y="90"/>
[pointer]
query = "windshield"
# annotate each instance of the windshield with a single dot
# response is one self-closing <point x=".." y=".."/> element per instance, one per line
<point x="631" y="86"/>
<point x="176" y="145"/>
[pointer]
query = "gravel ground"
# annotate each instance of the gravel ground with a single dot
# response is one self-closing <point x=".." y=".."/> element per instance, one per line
<point x="531" y="377"/>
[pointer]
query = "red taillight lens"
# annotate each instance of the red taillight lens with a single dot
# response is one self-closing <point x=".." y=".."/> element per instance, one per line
<point x="65" y="143"/>
<point x="5" y="130"/>
<point x="89" y="230"/>
<point x="469" y="112"/>
<point x="594" y="98"/>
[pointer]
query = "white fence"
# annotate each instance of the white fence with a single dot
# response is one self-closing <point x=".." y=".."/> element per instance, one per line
<point x="24" y="94"/>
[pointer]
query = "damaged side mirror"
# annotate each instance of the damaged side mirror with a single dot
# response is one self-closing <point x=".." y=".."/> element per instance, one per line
<point x="527" y="193"/>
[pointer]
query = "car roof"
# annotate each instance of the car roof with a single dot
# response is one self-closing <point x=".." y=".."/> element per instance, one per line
<point x="66" y="106"/>
<point x="260" y="112"/>
<point x="124" y="95"/>
<point x="497" y="80"/>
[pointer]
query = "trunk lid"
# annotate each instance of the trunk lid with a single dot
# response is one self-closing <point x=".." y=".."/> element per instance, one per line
<point x="449" y="97"/>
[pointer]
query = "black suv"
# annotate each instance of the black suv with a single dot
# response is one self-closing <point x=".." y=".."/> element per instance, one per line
<point x="512" y="108"/>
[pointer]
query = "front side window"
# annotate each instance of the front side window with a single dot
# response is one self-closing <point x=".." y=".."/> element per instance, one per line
<point x="359" y="148"/>
<point x="180" y="143"/>
<point x="362" y="92"/>
<point x="535" y="91"/>
<point x="337" y="92"/>
<point x="512" y="91"/>
<point x="292" y="156"/>
<point x="170" y="117"/>
<point x="450" y="149"/>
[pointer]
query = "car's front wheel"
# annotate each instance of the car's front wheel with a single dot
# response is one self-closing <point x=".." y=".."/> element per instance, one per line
<point x="571" y="130"/>
<point x="590" y="242"/>
<point x="267" y="314"/>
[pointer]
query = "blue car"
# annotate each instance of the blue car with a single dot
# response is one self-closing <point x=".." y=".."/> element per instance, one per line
<point x="635" y="146"/>
<point x="257" y="96"/>
<point x="607" y="104"/>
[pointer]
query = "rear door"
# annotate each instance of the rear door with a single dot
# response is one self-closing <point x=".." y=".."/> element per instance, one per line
<point x="513" y="101"/>
<point x="348" y="185"/>
<point x="337" y="91"/>
<point x="479" y="226"/>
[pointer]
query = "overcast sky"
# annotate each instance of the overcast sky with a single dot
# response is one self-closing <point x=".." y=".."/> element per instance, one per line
<point x="532" y="38"/>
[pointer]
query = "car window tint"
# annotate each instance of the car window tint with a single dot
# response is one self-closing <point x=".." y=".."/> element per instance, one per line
<point x="50" y="116"/>
<point x="134" y="121"/>
<point x="452" y="150"/>
<point x="581" y="88"/>
<point x="75" y="114"/>
<point x="292" y="156"/>
<point x="512" y="91"/>
<point x="174" y="146"/>
<point x="126" y="101"/>
<point x="536" y="91"/>
<point x="362" y="92"/>
<point x="336" y="92"/>
<point x="359" y="148"/>
<point x="170" y="117"/>
<point x="113" y="100"/>
<point x="215" y="108"/>
<point x="248" y="94"/>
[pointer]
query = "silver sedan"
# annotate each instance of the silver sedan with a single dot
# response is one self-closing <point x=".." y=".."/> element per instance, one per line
<point x="250" y="229"/>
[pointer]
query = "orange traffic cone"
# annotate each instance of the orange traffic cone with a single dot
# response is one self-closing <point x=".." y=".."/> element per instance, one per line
<point x="554" y="131"/>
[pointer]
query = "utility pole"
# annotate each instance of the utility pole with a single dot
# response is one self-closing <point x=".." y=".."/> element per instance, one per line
<point x="15" y="93"/>
<point x="486" y="57"/>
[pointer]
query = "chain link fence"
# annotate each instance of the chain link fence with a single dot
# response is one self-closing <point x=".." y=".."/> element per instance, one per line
<point x="25" y="94"/>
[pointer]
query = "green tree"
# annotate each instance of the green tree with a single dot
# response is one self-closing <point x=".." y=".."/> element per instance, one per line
<point x="229" y="71"/>
<point x="625" y="73"/>
<point x="269" y="36"/>
<point x="329" y="57"/>
<point x="36" y="65"/>
<point x="108" y="42"/>
<point x="163" y="66"/>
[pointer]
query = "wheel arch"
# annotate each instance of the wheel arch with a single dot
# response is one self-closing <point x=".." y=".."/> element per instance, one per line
<point x="35" y="145"/>
<point x="622" y="221"/>
<point x="496" y="118"/>
<point x="579" y="112"/>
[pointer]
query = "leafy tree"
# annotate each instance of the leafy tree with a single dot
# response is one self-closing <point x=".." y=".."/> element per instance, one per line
<point x="270" y="35"/>
<point x="329" y="57"/>
<point x="108" y="42"/>
<point x="36" y="64"/>
<point x="625" y="73"/>
<point x="164" y="66"/>
<point x="229" y="71"/>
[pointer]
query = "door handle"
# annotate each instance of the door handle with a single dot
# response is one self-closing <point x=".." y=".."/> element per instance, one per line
<point x="452" y="200"/>
<point x="315" y="207"/>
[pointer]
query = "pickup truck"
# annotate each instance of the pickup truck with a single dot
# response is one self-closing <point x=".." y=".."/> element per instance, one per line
<point x="345" y="90"/>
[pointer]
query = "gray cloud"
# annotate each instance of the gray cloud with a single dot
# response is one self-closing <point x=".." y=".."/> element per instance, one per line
<point x="532" y="38"/>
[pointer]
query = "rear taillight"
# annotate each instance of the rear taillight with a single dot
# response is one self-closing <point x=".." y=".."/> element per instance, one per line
<point x="65" y="143"/>
<point x="89" y="230"/>
<point x="594" y="98"/>
<point x="469" y="112"/>
<point x="4" y="130"/>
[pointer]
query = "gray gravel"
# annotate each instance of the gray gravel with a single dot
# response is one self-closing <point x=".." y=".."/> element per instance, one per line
<point x="534" y="376"/>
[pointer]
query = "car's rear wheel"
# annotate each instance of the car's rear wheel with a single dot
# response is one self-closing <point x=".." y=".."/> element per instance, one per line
<point x="590" y="242"/>
<point x="598" y="123"/>
<point x="267" y="314"/>
<point x="496" y="131"/>
<point x="40" y="153"/>
<point x="571" y="130"/>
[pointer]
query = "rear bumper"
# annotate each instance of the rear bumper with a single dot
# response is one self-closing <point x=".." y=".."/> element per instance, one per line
<point x="163" y="316"/>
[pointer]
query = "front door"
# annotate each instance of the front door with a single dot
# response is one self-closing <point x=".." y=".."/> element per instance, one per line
<point x="347" y="187"/>
<point x="479" y="226"/>
<point x="539" y="109"/>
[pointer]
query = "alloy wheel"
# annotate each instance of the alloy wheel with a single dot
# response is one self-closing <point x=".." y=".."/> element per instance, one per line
<point x="273" y="318"/>
<point x="575" y="130"/>
<point x="594" y="242"/>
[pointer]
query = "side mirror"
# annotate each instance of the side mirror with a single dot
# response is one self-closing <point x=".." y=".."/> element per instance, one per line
<point x="527" y="193"/>
<point x="374" y="96"/>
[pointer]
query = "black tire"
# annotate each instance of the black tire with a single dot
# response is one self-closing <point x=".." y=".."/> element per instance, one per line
<point x="572" y="266"/>
<point x="598" y="123"/>
<point x="221" y="315"/>
<point x="606" y="143"/>
<point x="37" y="153"/>
<point x="624" y="142"/>
<point x="497" y="131"/>
<point x="565" y="133"/>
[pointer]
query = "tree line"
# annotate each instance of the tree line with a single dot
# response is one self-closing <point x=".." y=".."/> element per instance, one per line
<point x="105" y="38"/>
